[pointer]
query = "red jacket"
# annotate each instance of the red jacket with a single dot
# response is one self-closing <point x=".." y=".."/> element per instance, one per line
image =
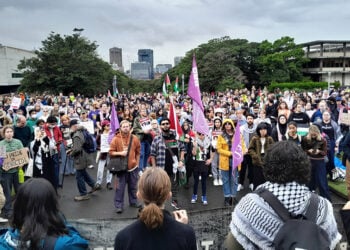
<point x="57" y="135"/>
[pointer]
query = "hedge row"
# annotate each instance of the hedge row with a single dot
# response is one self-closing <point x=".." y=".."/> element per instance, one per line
<point x="301" y="85"/>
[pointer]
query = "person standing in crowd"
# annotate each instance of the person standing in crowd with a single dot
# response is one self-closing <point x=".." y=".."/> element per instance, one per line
<point x="262" y="118"/>
<point x="37" y="222"/>
<point x="54" y="135"/>
<point x="43" y="165"/>
<point x="104" y="114"/>
<point x="271" y="108"/>
<point x="22" y="131"/>
<point x="142" y="131"/>
<point x="67" y="166"/>
<point x="316" y="148"/>
<point x="31" y="120"/>
<point x="279" y="132"/>
<point x="215" y="132"/>
<point x="283" y="109"/>
<point x="119" y="147"/>
<point x="292" y="133"/>
<point x="186" y="138"/>
<point x="81" y="161"/>
<point x="229" y="176"/>
<point x="103" y="157"/>
<point x="247" y="131"/>
<point x="299" y="116"/>
<point x="156" y="228"/>
<point x="258" y="146"/>
<point x="254" y="224"/>
<point x="332" y="130"/>
<point x="9" y="179"/>
<point x="169" y="154"/>
<point x="203" y="157"/>
<point x="317" y="115"/>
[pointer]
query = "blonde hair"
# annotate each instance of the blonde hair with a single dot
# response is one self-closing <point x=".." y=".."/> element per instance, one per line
<point x="154" y="187"/>
<point x="314" y="129"/>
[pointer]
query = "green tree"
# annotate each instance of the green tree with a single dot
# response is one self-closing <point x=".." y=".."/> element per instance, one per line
<point x="66" y="64"/>
<point x="280" y="61"/>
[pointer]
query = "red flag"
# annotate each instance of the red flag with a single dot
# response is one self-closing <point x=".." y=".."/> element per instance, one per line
<point x="174" y="122"/>
<point x="167" y="80"/>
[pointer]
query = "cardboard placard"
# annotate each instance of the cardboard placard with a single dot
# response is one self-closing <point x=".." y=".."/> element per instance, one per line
<point x="16" y="102"/>
<point x="89" y="125"/>
<point x="345" y="118"/>
<point x="104" y="143"/>
<point x="15" y="159"/>
<point x="145" y="124"/>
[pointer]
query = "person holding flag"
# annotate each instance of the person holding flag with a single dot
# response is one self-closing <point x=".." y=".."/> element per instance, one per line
<point x="231" y="148"/>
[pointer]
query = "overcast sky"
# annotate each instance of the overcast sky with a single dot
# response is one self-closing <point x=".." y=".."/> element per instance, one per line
<point x="170" y="28"/>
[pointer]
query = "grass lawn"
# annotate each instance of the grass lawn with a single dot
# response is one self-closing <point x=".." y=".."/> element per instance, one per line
<point x="338" y="187"/>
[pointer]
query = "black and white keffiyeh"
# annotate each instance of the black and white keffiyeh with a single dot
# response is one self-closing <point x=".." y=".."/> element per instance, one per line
<point x="255" y="224"/>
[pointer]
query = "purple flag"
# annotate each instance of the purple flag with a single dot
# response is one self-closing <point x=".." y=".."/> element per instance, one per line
<point x="236" y="149"/>
<point x="114" y="124"/>
<point x="200" y="124"/>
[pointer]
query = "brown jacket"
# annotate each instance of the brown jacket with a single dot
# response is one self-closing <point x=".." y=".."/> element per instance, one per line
<point x="134" y="154"/>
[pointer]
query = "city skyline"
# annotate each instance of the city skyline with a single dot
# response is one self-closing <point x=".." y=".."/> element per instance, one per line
<point x="170" y="28"/>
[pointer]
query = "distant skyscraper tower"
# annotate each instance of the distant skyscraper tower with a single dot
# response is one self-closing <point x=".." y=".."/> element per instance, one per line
<point x="177" y="60"/>
<point x="146" y="55"/>
<point x="115" y="57"/>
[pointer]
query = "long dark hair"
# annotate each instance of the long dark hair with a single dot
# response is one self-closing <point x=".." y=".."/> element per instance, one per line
<point x="36" y="213"/>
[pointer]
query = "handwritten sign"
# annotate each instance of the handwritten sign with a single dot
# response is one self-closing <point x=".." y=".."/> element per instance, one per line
<point x="15" y="159"/>
<point x="104" y="143"/>
<point x="16" y="102"/>
<point x="145" y="124"/>
<point x="345" y="118"/>
<point x="89" y="125"/>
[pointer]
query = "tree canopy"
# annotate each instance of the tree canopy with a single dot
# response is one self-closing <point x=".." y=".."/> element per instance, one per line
<point x="66" y="64"/>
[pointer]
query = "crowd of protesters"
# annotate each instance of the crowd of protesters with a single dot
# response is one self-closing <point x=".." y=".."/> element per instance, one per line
<point x="43" y="124"/>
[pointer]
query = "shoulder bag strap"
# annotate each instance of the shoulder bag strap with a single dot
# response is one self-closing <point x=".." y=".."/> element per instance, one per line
<point x="275" y="203"/>
<point x="131" y="138"/>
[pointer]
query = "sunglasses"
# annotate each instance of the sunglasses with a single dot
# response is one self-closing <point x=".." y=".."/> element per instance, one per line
<point x="166" y="123"/>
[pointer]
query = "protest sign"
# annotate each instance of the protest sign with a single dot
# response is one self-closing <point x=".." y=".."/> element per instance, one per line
<point x="15" y="159"/>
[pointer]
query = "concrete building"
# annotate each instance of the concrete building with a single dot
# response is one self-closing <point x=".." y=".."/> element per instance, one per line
<point x="328" y="56"/>
<point x="10" y="57"/>
<point x="146" y="55"/>
<point x="162" y="68"/>
<point x="141" y="71"/>
<point x="116" y="58"/>
<point x="177" y="60"/>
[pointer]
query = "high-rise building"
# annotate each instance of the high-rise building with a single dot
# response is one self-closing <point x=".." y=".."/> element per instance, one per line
<point x="116" y="57"/>
<point x="162" y="68"/>
<point x="140" y="70"/>
<point x="146" y="55"/>
<point x="177" y="60"/>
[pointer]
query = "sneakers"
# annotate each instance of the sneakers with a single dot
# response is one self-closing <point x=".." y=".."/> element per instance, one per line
<point x="227" y="201"/>
<point x="109" y="186"/>
<point x="175" y="205"/>
<point x="216" y="182"/>
<point x="194" y="198"/>
<point x="91" y="166"/>
<point x="119" y="210"/>
<point x="204" y="200"/>
<point x="3" y="220"/>
<point x="82" y="197"/>
<point x="240" y="187"/>
<point x="200" y="177"/>
<point x="95" y="188"/>
<point x="251" y="186"/>
<point x="220" y="182"/>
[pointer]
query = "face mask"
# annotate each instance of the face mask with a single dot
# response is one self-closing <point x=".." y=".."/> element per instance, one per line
<point x="51" y="126"/>
<point x="33" y="116"/>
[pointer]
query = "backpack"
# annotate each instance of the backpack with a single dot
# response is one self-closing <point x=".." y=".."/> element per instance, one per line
<point x="300" y="231"/>
<point x="89" y="145"/>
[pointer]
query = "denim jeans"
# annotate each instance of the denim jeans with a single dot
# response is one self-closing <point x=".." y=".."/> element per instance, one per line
<point x="82" y="176"/>
<point x="319" y="178"/>
<point x="7" y="181"/>
<point x="203" y="181"/>
<point x="144" y="154"/>
<point x="131" y="179"/>
<point x="230" y="182"/>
